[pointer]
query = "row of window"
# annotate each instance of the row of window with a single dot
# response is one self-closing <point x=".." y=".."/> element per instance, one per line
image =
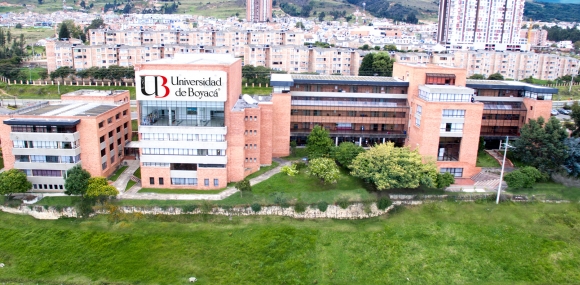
<point x="295" y="112"/>
<point x="254" y="132"/>
<point x="44" y="129"/>
<point x="251" y="118"/>
<point x="48" y="186"/>
<point x="444" y="97"/>
<point x="251" y="159"/>
<point x="45" y="144"/>
<point x="418" y="113"/>
<point x="185" y="181"/>
<point x="48" y="158"/>
<point x="110" y="120"/>
<point x="183" y="137"/>
<point x="184" y="151"/>
<point x="450" y="113"/>
<point x="44" y="172"/>
<point x="457" y="172"/>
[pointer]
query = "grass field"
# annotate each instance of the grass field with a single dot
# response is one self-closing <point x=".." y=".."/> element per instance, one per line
<point x="263" y="169"/>
<point x="137" y="173"/>
<point x="50" y="92"/>
<point x="550" y="190"/>
<point x="486" y="160"/>
<point x="130" y="184"/>
<point x="134" y="125"/>
<point x="438" y="243"/>
<point x="117" y="173"/>
<point x="298" y="153"/>
<point x="257" y="90"/>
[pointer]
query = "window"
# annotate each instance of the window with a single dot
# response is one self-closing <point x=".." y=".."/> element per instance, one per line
<point x="206" y="182"/>
<point x="216" y="182"/>
<point x="118" y="116"/>
<point x="152" y="180"/>
<point x="125" y="113"/>
<point x="110" y="134"/>
<point x="118" y="129"/>
<point x="111" y="147"/>
<point x="450" y="113"/>
<point x="104" y="165"/>
<point x="102" y="139"/>
<point x="110" y="120"/>
<point x="451" y="127"/>
<point x="103" y="151"/>
<point x="112" y="160"/>
<point x="418" y="113"/>
<point x="101" y="124"/>
<point x="449" y="149"/>
<point x="457" y="172"/>
<point x="160" y="180"/>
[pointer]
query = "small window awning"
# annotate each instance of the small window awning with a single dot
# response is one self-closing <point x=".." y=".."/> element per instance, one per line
<point x="441" y="75"/>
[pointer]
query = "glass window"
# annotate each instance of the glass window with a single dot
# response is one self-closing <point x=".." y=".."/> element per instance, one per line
<point x="152" y="180"/>
<point x="206" y="182"/>
<point x="160" y="180"/>
<point x="216" y="182"/>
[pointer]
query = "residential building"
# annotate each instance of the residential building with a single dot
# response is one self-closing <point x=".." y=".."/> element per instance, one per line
<point x="87" y="127"/>
<point x="258" y="11"/>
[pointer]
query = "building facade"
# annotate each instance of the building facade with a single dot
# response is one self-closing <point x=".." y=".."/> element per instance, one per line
<point x="258" y="11"/>
<point x="196" y="130"/>
<point x="481" y="24"/>
<point x="87" y="127"/>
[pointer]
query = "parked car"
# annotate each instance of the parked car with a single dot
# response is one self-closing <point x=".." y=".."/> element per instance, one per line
<point x="554" y="112"/>
<point x="567" y="112"/>
<point x="562" y="111"/>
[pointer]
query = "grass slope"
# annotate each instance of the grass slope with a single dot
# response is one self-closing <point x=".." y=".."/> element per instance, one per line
<point x="438" y="243"/>
<point x="117" y="173"/>
<point x="486" y="160"/>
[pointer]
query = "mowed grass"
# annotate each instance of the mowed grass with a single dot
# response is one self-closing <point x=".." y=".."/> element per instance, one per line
<point x="50" y="92"/>
<point x="130" y="184"/>
<point x="118" y="173"/>
<point x="549" y="191"/>
<point x="438" y="243"/>
<point x="263" y="170"/>
<point x="256" y="90"/>
<point x="486" y="160"/>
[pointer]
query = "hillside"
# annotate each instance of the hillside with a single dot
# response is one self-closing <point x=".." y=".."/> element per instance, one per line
<point x="550" y="12"/>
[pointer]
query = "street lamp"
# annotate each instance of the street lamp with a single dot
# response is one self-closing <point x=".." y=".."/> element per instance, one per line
<point x="30" y="74"/>
<point x="506" y="146"/>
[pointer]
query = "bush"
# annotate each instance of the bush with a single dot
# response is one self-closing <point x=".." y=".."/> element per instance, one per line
<point x="343" y="203"/>
<point x="384" y="202"/>
<point x="322" y="206"/>
<point x="188" y="208"/>
<point x="206" y="207"/>
<point x="256" y="207"/>
<point x="444" y="180"/>
<point x="289" y="170"/>
<point x="300" y="165"/>
<point x="524" y="177"/>
<point x="300" y="207"/>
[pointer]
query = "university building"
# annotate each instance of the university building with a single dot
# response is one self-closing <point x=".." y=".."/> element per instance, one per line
<point x="429" y="107"/>
<point x="87" y="127"/>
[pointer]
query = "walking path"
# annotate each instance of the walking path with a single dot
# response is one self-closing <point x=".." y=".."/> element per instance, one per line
<point x="124" y="178"/>
<point x="132" y="193"/>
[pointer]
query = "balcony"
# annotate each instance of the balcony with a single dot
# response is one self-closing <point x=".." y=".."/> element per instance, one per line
<point x="358" y="133"/>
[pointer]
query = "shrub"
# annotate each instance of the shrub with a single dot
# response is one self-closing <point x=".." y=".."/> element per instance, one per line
<point x="322" y="206"/>
<point x="188" y="208"/>
<point x="300" y="207"/>
<point x="289" y="170"/>
<point x="343" y="203"/>
<point x="524" y="177"/>
<point x="206" y="207"/>
<point x="444" y="180"/>
<point x="256" y="207"/>
<point x="384" y="202"/>
<point x="300" y="165"/>
<point x="58" y="208"/>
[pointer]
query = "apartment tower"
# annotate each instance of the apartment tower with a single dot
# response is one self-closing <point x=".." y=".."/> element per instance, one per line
<point x="480" y="24"/>
<point x="259" y="10"/>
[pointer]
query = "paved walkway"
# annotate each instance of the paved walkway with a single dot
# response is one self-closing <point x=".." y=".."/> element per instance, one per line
<point x="124" y="178"/>
<point x="132" y="193"/>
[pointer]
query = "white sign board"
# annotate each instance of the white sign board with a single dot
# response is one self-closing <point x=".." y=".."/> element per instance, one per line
<point x="181" y="85"/>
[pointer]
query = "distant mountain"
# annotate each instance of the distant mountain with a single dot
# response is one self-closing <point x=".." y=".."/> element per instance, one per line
<point x="551" y="12"/>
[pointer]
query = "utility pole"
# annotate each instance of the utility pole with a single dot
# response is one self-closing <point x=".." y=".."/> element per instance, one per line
<point x="571" y="81"/>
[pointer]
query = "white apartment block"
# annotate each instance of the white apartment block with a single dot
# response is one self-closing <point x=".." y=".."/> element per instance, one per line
<point x="480" y="24"/>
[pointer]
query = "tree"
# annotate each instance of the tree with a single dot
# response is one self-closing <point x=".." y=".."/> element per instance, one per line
<point x="43" y="73"/>
<point x="18" y="26"/>
<point x="292" y="146"/>
<point x="39" y="2"/>
<point x="390" y="48"/>
<point x="476" y="76"/>
<point x="324" y="169"/>
<point x="300" y="25"/>
<point x="318" y="143"/>
<point x="321" y="16"/>
<point x="379" y="63"/>
<point x="13" y="181"/>
<point x="365" y="47"/>
<point x="572" y="163"/>
<point x="524" y="177"/>
<point x="63" y="33"/>
<point x="444" y="180"/>
<point x="495" y="76"/>
<point x="77" y="181"/>
<point x="541" y="144"/>
<point x="83" y="4"/>
<point x="412" y="19"/>
<point x="387" y="167"/>
<point x="575" y="116"/>
<point x="99" y="188"/>
<point x="346" y="152"/>
<point x="243" y="186"/>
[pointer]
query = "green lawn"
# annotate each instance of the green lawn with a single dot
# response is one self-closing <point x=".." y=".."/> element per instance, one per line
<point x="130" y="184"/>
<point x="137" y="173"/>
<point x="298" y="153"/>
<point x="438" y="243"/>
<point x="256" y="90"/>
<point x="117" y="173"/>
<point x="47" y="92"/>
<point x="134" y="125"/>
<point x="486" y="160"/>
<point x="179" y="191"/>
<point x="263" y="169"/>
<point x="550" y="190"/>
<point x="58" y="201"/>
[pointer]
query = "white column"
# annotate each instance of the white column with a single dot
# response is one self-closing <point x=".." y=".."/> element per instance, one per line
<point x="336" y="141"/>
<point x="383" y="140"/>
<point x="169" y="116"/>
<point x="360" y="141"/>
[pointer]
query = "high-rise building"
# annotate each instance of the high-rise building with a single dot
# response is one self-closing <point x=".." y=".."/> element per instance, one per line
<point x="259" y="10"/>
<point x="481" y="24"/>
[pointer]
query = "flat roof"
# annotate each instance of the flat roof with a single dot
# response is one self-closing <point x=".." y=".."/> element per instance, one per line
<point x="206" y="58"/>
<point x="446" y="89"/>
<point x="71" y="109"/>
<point x="42" y="122"/>
<point x="509" y="85"/>
<point x="92" y="92"/>
<point x="291" y="79"/>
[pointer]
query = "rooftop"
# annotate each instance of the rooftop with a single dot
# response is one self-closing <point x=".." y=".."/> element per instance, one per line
<point x="291" y="79"/>
<point x="92" y="93"/>
<point x="242" y="104"/>
<point x="509" y="85"/>
<point x="180" y="58"/>
<point x="70" y="109"/>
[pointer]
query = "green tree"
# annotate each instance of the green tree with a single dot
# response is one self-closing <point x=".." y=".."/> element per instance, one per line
<point x="365" y="47"/>
<point x="387" y="167"/>
<point x="346" y="152"/>
<point x="476" y="76"/>
<point x="300" y="25"/>
<point x="18" y="26"/>
<point x="390" y="48"/>
<point x="541" y="144"/>
<point x="444" y="180"/>
<point x="321" y="16"/>
<point x="524" y="177"/>
<point x="324" y="169"/>
<point x="77" y="181"/>
<point x="63" y="33"/>
<point x="13" y="181"/>
<point x="495" y="76"/>
<point x="83" y="4"/>
<point x="243" y="186"/>
<point x="43" y="73"/>
<point x="98" y="188"/>
<point x="318" y="143"/>
<point x="379" y="63"/>
<point x="292" y="147"/>
<point x="575" y="116"/>
<point x="572" y="162"/>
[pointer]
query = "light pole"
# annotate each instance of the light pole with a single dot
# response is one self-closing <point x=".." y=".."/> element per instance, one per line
<point x="30" y="74"/>
<point x="507" y="138"/>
